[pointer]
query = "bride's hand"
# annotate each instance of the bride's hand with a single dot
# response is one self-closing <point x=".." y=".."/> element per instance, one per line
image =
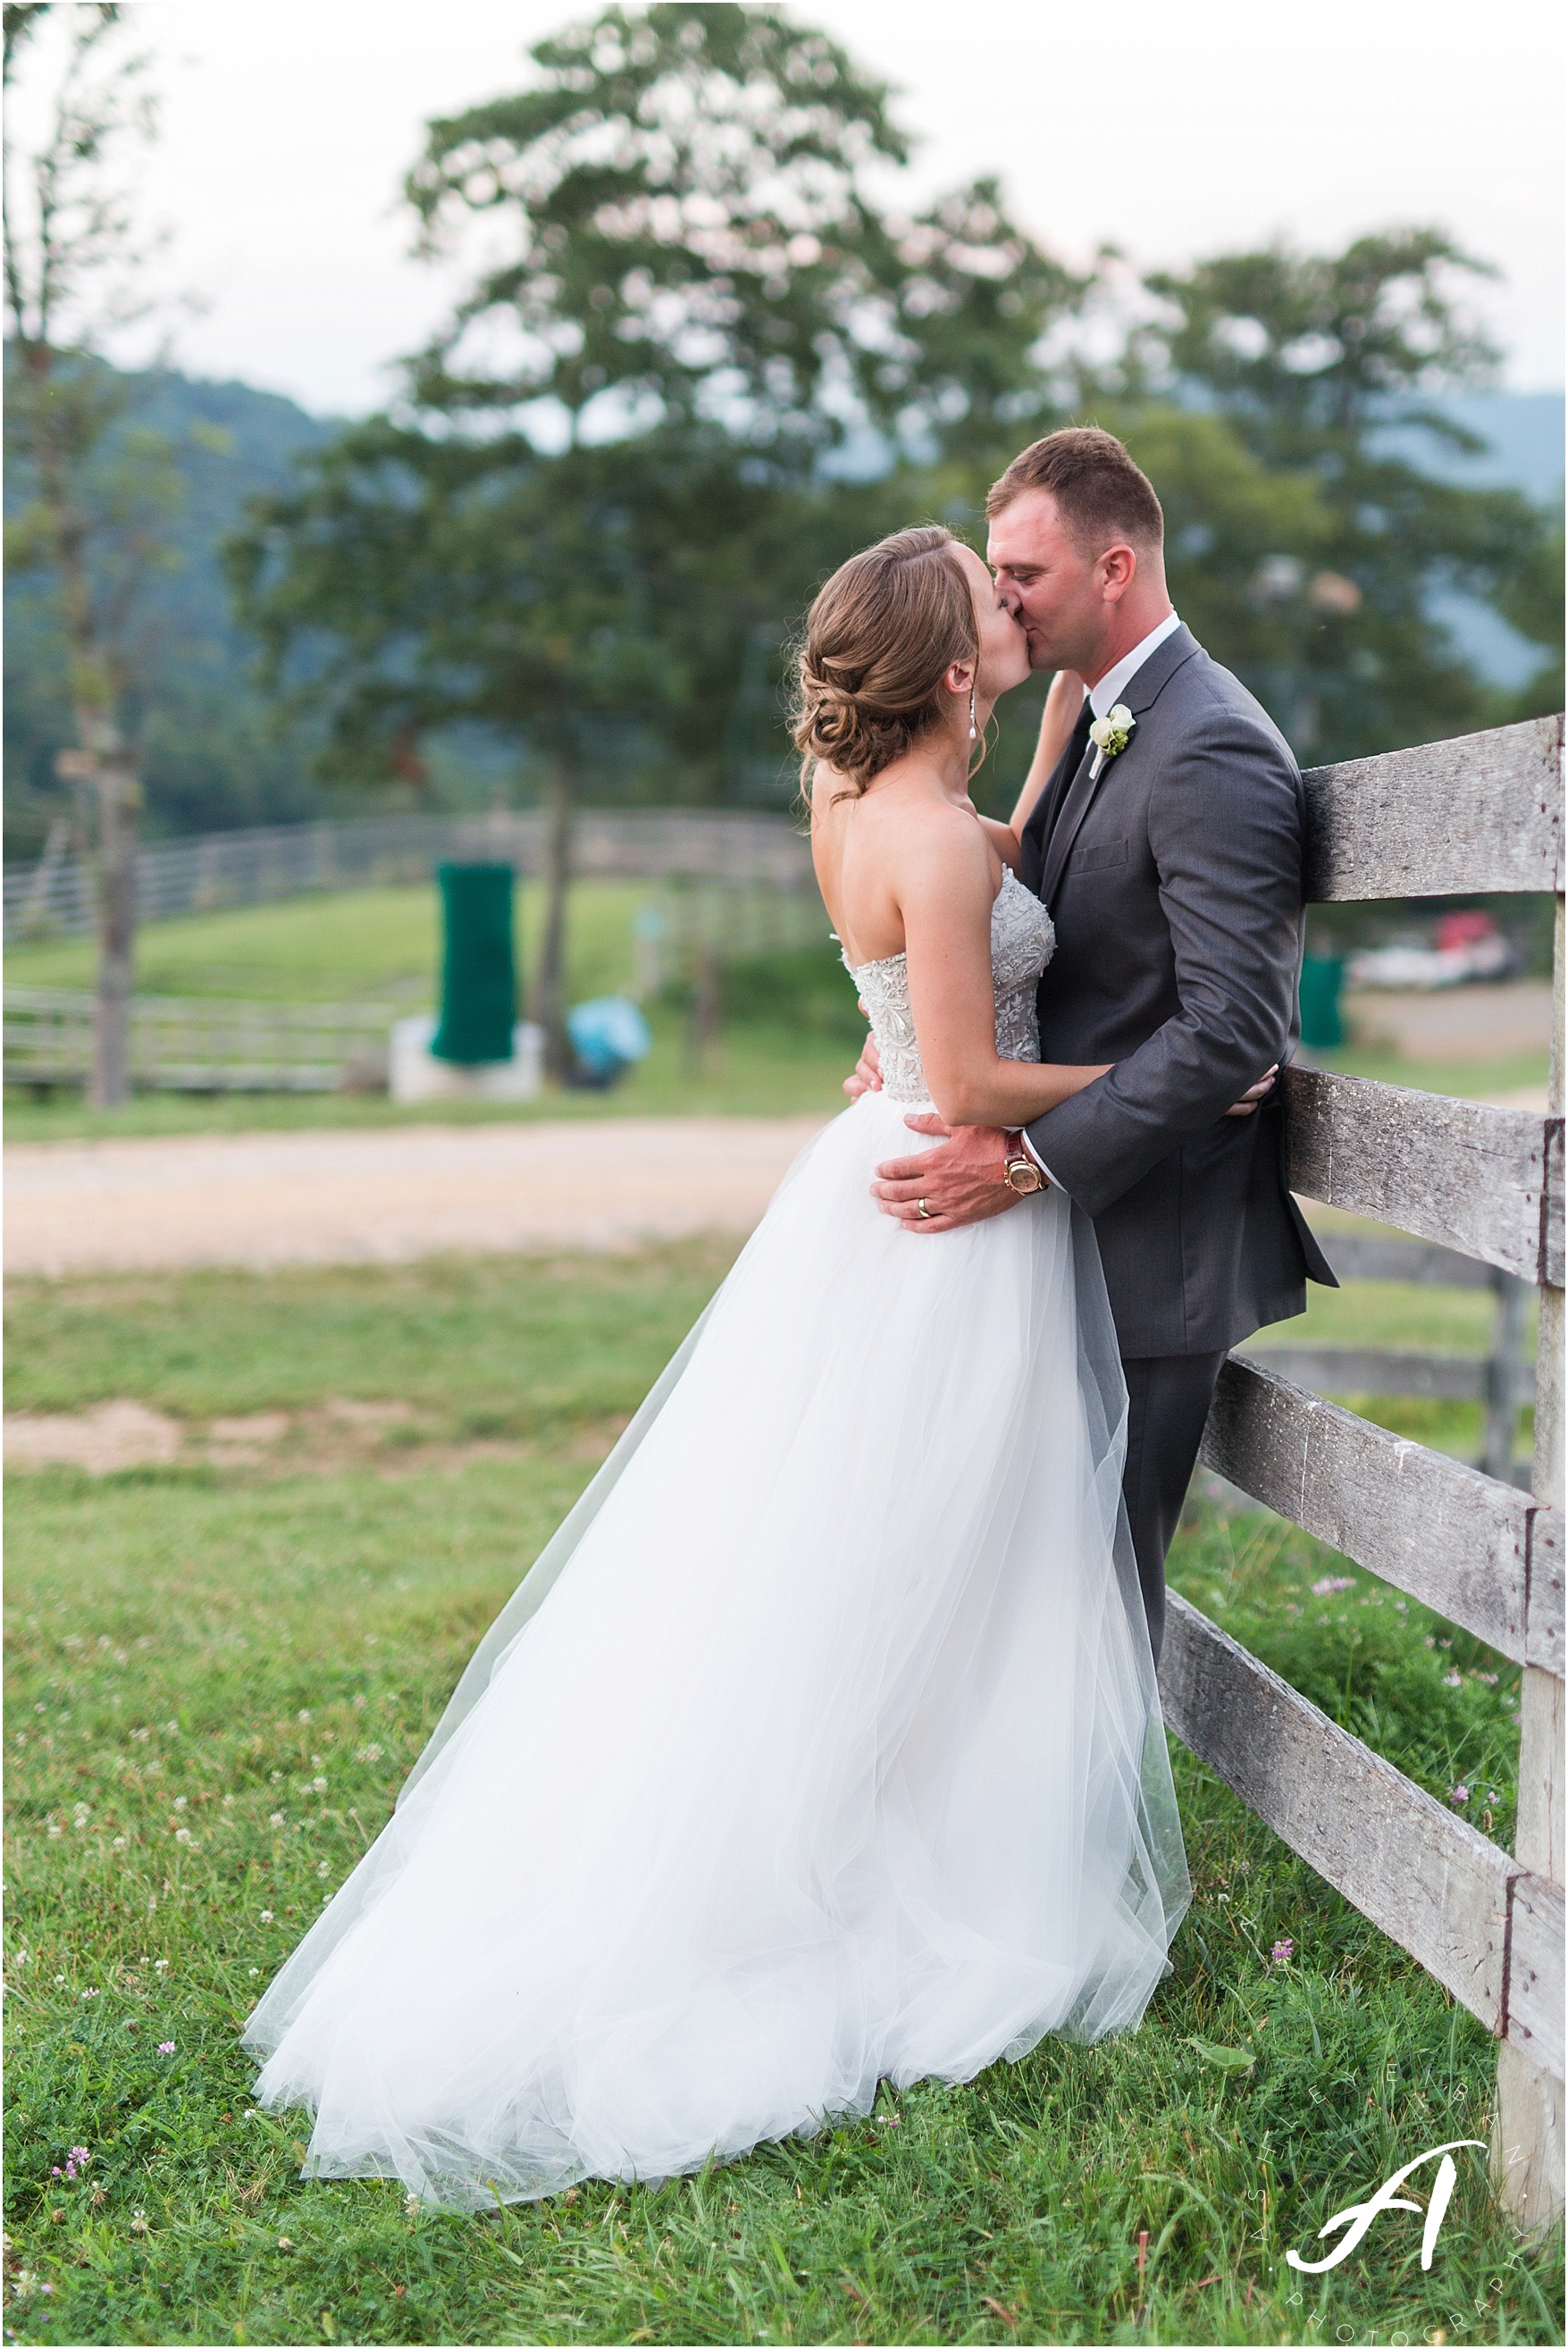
<point x="867" y="1077"/>
<point x="1254" y="1095"/>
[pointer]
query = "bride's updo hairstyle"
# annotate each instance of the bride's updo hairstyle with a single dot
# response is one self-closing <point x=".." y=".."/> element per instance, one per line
<point x="880" y="638"/>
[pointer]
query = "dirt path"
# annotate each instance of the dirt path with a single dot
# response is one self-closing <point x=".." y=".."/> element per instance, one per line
<point x="384" y="1197"/>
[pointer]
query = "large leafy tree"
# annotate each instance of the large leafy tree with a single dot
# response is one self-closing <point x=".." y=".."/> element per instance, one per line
<point x="683" y="205"/>
<point x="604" y="489"/>
<point x="1324" y="369"/>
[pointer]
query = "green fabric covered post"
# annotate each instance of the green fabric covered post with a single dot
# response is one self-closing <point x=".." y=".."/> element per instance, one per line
<point x="479" y="971"/>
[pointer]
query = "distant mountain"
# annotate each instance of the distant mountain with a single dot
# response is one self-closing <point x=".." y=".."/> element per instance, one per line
<point x="212" y="758"/>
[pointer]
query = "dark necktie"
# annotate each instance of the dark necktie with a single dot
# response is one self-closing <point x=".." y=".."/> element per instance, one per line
<point x="1042" y="821"/>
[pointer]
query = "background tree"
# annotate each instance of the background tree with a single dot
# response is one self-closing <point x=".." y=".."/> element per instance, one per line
<point x="1325" y="369"/>
<point x="611" y="481"/>
<point x="96" y="495"/>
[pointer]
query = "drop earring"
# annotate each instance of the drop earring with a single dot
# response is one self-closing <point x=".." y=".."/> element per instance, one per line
<point x="972" y="713"/>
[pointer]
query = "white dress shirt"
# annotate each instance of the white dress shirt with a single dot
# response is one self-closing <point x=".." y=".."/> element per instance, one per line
<point x="1102" y="697"/>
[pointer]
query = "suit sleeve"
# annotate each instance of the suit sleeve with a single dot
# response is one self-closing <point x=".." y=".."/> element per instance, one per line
<point x="1225" y="828"/>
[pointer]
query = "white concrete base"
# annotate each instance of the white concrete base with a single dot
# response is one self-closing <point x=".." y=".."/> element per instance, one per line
<point x="415" y="1075"/>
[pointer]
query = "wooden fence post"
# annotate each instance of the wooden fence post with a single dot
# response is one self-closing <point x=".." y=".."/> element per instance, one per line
<point x="1527" y="2150"/>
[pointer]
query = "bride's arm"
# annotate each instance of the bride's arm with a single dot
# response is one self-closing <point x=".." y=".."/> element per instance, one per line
<point x="1060" y="715"/>
<point x="945" y="892"/>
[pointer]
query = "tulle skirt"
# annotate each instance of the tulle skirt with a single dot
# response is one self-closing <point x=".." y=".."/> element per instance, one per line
<point x="821" y="1745"/>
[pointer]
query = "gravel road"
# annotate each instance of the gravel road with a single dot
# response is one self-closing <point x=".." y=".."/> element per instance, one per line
<point x="385" y="1197"/>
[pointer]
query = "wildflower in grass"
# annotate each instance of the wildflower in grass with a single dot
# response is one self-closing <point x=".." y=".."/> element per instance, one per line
<point x="306" y="1714"/>
<point x="1320" y="1590"/>
<point x="179" y="1802"/>
<point x="266" y="1916"/>
<point x="59" y="1978"/>
<point x="276" y="1820"/>
<point x="172" y="1728"/>
<point x="166" y="2046"/>
<point x="254" y="1971"/>
<point x="1457" y="1794"/>
<point x="56" y="1828"/>
<point x="1452" y="1680"/>
<point x="119" y="1843"/>
<point x="319" y="1785"/>
<point x="160" y="1965"/>
<point x="1489" y="1678"/>
<point x="286" y="2242"/>
<point x="371" y="1753"/>
<point x="139" y="2223"/>
<point x="1283" y="1953"/>
<point x="323" y="1867"/>
<point x="183" y="1835"/>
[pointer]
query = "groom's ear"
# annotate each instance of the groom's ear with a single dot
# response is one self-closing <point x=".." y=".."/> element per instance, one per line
<point x="1117" y="569"/>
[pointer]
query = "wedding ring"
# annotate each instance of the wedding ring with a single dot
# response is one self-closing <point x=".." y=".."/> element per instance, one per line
<point x="922" y="1211"/>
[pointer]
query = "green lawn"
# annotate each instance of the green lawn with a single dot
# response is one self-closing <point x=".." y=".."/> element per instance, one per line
<point x="790" y="1033"/>
<point x="791" y="1038"/>
<point x="192" y="1648"/>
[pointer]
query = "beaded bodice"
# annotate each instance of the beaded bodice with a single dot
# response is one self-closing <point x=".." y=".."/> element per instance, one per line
<point x="1022" y="942"/>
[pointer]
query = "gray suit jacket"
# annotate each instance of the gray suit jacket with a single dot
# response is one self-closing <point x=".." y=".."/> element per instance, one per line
<point x="1174" y="882"/>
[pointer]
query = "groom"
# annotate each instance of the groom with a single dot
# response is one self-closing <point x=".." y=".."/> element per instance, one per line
<point x="1168" y="853"/>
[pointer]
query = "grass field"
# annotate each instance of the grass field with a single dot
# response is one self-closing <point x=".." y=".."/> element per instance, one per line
<point x="791" y="1029"/>
<point x="220" y="1671"/>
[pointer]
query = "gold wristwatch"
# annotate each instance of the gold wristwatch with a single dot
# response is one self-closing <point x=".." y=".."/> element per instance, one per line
<point x="1020" y="1170"/>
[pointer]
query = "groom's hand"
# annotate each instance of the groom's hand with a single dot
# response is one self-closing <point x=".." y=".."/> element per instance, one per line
<point x="962" y="1181"/>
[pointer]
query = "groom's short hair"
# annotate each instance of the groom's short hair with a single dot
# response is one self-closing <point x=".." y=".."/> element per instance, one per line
<point x="1100" y="494"/>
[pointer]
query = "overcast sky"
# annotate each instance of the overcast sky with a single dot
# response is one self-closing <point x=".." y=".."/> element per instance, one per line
<point x="1172" y="128"/>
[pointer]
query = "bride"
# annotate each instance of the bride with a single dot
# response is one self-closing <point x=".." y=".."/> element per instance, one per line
<point x="821" y="1743"/>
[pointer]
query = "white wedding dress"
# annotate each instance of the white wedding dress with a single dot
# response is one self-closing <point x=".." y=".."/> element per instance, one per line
<point x="821" y="1745"/>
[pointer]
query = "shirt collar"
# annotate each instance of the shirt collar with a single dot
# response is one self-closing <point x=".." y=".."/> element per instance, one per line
<point x="1115" y="682"/>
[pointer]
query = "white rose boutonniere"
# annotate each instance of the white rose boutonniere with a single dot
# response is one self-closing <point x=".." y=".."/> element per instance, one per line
<point x="1110" y="735"/>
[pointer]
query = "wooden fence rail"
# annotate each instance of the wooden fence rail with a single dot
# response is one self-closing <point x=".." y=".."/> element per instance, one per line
<point x="55" y="896"/>
<point x="195" y="1044"/>
<point x="1484" y="812"/>
<point x="1503" y="1379"/>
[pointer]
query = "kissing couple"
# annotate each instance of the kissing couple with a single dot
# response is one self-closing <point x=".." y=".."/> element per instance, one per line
<point x="822" y="1744"/>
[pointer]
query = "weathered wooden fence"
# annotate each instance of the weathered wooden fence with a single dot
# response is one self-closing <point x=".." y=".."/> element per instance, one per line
<point x="55" y="896"/>
<point x="1482" y="813"/>
<point x="195" y="1044"/>
<point x="1504" y="1380"/>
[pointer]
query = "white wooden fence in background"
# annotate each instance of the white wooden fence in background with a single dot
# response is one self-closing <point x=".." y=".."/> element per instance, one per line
<point x="54" y="898"/>
<point x="1482" y="813"/>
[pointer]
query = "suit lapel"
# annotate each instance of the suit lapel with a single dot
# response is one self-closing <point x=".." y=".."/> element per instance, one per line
<point x="1142" y="693"/>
